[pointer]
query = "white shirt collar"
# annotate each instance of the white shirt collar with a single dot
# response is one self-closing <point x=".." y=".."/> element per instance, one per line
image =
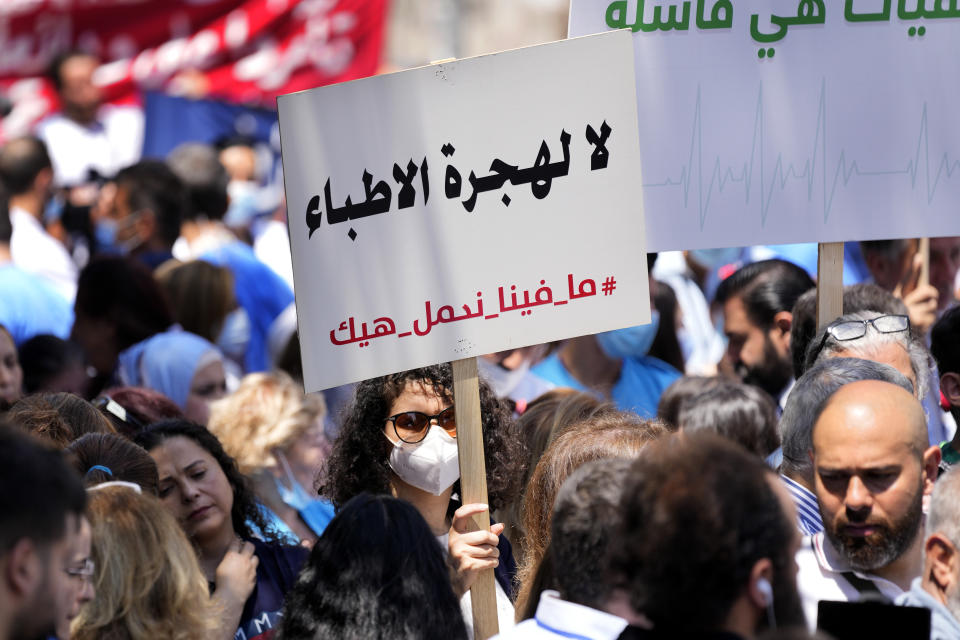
<point x="831" y="561"/>
<point x="575" y="620"/>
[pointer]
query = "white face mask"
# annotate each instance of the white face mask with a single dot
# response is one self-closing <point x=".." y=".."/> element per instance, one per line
<point x="431" y="464"/>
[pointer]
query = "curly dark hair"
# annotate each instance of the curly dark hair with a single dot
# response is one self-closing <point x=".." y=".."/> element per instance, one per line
<point x="377" y="572"/>
<point x="358" y="462"/>
<point x="245" y="505"/>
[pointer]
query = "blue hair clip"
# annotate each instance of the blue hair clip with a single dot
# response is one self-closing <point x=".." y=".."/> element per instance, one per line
<point x="100" y="467"/>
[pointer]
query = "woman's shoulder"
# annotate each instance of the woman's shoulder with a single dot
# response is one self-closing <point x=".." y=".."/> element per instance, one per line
<point x="282" y="562"/>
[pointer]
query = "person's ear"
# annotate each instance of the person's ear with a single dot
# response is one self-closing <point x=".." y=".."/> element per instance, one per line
<point x="23" y="569"/>
<point x="42" y="183"/>
<point x="942" y="559"/>
<point x="931" y="467"/>
<point x="950" y="386"/>
<point x="760" y="589"/>
<point x="783" y="321"/>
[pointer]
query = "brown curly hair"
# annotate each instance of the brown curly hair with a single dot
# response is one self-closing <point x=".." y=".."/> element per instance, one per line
<point x="358" y="462"/>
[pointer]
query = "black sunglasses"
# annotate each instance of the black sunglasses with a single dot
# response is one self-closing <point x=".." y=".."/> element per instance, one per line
<point x="412" y="426"/>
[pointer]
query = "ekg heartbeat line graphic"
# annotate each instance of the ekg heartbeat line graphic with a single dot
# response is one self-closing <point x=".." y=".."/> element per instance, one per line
<point x="754" y="175"/>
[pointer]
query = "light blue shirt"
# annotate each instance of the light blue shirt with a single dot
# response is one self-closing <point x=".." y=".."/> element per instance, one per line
<point x="943" y="626"/>
<point x="29" y="306"/>
<point x="642" y="381"/>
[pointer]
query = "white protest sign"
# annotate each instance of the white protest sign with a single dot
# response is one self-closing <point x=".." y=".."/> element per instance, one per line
<point x="777" y="121"/>
<point x="465" y="208"/>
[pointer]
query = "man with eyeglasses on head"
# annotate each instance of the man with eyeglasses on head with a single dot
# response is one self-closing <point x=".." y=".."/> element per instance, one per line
<point x="888" y="339"/>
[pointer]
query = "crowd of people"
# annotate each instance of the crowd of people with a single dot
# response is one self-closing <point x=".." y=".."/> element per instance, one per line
<point x="730" y="470"/>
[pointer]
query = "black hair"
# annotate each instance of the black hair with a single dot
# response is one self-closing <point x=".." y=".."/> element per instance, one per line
<point x="698" y="514"/>
<point x="945" y="341"/>
<point x="45" y="356"/>
<point x="21" y="161"/>
<point x="123" y="291"/>
<point x="358" y="462"/>
<point x="376" y="572"/>
<point x="151" y="186"/>
<point x="858" y="297"/>
<point x="55" y="66"/>
<point x="586" y="515"/>
<point x="766" y="288"/>
<point x="742" y="413"/>
<point x="668" y="409"/>
<point x="39" y="489"/>
<point x="666" y="345"/>
<point x="204" y="178"/>
<point x="6" y="227"/>
<point x="245" y="505"/>
<point x="122" y="459"/>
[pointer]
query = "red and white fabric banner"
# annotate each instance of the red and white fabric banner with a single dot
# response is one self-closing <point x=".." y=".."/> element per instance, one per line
<point x="245" y="51"/>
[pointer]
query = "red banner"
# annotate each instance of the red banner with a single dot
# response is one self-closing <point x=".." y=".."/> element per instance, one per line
<point x="246" y="51"/>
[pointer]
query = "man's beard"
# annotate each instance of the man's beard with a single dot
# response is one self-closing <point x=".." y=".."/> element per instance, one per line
<point x="879" y="549"/>
<point x="772" y="374"/>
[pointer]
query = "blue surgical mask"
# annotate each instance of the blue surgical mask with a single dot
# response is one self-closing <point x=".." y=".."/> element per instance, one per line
<point x="631" y="342"/>
<point x="316" y="513"/>
<point x="105" y="233"/>
<point x="53" y="210"/>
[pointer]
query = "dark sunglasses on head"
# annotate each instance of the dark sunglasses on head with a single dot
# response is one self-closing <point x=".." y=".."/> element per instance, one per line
<point x="412" y="426"/>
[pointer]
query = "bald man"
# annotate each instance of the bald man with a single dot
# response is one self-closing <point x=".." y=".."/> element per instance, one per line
<point x="872" y="468"/>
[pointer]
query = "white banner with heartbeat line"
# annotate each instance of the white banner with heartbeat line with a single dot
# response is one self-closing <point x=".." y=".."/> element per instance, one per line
<point x="774" y="121"/>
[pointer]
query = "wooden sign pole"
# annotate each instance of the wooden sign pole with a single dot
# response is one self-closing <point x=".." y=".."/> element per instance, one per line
<point x="829" y="282"/>
<point x="473" y="478"/>
<point x="473" y="486"/>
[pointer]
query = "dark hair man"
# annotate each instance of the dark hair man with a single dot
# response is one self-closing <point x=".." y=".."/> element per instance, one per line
<point x="42" y="502"/>
<point x="146" y="211"/>
<point x="87" y="136"/>
<point x="707" y="544"/>
<point x="804" y="405"/>
<point x="27" y="177"/>
<point x="585" y="516"/>
<point x="30" y="305"/>
<point x="872" y="468"/>
<point x="757" y="317"/>
<point x="938" y="587"/>
<point x="260" y="292"/>
<point x="945" y="347"/>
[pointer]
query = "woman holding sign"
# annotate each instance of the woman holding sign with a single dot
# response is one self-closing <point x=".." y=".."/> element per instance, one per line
<point x="399" y="438"/>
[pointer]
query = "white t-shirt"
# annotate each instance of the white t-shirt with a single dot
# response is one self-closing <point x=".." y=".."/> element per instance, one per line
<point x="112" y="142"/>
<point x="36" y="251"/>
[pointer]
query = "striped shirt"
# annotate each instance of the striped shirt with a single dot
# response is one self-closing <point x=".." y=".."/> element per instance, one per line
<point x="808" y="511"/>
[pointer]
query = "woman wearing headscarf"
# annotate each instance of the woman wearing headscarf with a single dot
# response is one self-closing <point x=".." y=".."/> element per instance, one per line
<point x="184" y="367"/>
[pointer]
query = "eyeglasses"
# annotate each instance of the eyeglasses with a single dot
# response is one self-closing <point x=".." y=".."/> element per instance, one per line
<point x="84" y="572"/>
<point x="853" y="329"/>
<point x="412" y="426"/>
